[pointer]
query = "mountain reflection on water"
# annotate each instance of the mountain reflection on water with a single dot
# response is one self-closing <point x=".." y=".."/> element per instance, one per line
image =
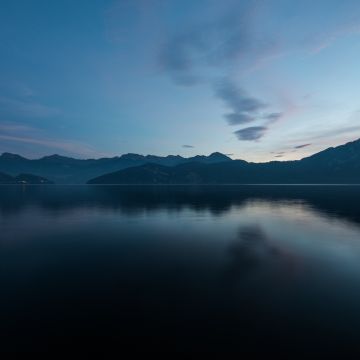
<point x="231" y="268"/>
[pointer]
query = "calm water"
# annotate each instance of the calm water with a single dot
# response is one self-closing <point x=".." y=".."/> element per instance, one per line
<point x="238" y="269"/>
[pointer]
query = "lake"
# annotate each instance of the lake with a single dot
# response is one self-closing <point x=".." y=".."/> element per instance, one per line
<point x="246" y="269"/>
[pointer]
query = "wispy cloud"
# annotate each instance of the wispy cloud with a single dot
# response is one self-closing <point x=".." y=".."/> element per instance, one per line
<point x="210" y="43"/>
<point x="227" y="39"/>
<point x="320" y="139"/>
<point x="21" y="133"/>
<point x="350" y="131"/>
<point x="26" y="108"/>
<point x="8" y="127"/>
<point x="188" y="146"/>
<point x="323" y="40"/>
<point x="74" y="148"/>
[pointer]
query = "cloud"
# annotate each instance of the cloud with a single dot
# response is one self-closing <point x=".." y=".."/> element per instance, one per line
<point x="233" y="40"/>
<point x="336" y="135"/>
<point x="244" y="108"/>
<point x="15" y="127"/>
<point x="243" y="118"/>
<point x="238" y="119"/>
<point x="237" y="34"/>
<point x="210" y="43"/>
<point x="230" y="38"/>
<point x="27" y="108"/>
<point x="74" y="148"/>
<point x="251" y="133"/>
<point x="188" y="146"/>
<point x="176" y="58"/>
<point x="301" y="146"/>
<point x="20" y="133"/>
<point x="321" y="41"/>
<point x="237" y="99"/>
<point x="273" y="117"/>
<point x="279" y="156"/>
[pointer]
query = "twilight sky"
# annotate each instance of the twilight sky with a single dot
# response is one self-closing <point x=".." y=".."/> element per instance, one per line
<point x="259" y="79"/>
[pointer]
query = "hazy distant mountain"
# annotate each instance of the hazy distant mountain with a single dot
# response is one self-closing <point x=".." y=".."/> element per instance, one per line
<point x="23" y="179"/>
<point x="65" y="170"/>
<point x="334" y="165"/>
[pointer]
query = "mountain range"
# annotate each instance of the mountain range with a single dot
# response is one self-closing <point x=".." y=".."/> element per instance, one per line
<point x="66" y="170"/>
<point x="331" y="166"/>
<point x="339" y="164"/>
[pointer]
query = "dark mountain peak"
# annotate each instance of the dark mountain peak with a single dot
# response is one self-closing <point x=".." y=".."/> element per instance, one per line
<point x="132" y="156"/>
<point x="148" y="173"/>
<point x="174" y="157"/>
<point x="219" y="156"/>
<point x="197" y="157"/>
<point x="56" y="157"/>
<point x="354" y="142"/>
<point x="342" y="153"/>
<point x="10" y="156"/>
<point x="215" y="157"/>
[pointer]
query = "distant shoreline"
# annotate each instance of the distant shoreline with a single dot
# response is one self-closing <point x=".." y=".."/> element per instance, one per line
<point x="187" y="185"/>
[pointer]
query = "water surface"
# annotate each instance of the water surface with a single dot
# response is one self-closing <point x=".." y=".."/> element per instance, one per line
<point x="230" y="268"/>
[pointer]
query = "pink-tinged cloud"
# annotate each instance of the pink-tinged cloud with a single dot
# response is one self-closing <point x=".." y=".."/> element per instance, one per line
<point x="16" y="128"/>
<point x="27" y="108"/>
<point x="325" y="40"/>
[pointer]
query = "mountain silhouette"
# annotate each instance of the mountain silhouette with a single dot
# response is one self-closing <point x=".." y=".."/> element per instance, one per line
<point x="331" y="166"/>
<point x="339" y="164"/>
<point x="66" y="170"/>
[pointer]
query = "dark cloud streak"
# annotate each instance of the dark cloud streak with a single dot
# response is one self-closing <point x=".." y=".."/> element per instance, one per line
<point x="237" y="99"/>
<point x="251" y="133"/>
<point x="238" y="119"/>
<point x="301" y="146"/>
<point x="244" y="108"/>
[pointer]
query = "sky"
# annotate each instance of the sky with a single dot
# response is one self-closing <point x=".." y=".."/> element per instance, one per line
<point x="259" y="80"/>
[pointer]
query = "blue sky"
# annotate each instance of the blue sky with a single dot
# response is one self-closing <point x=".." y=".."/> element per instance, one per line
<point x="262" y="80"/>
